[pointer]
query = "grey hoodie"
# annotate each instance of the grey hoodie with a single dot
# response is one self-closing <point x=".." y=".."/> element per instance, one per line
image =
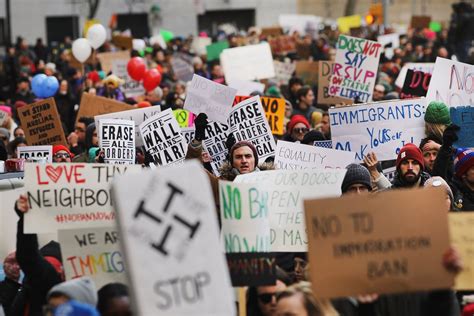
<point x="82" y="290"/>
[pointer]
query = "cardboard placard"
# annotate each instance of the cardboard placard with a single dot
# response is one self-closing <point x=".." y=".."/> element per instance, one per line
<point x="284" y="71"/>
<point x="214" y="144"/>
<point x="36" y="152"/>
<point x="303" y="50"/>
<point x="307" y="71"/>
<point x="68" y="196"/>
<point x="41" y="123"/>
<point x="124" y="42"/>
<point x="206" y="96"/>
<point x="253" y="62"/>
<point x="463" y="116"/>
<point x="294" y="156"/>
<point x="184" y="118"/>
<point x="92" y="105"/>
<point x="389" y="40"/>
<point x="199" y="45"/>
<point x="247" y="122"/>
<point x="345" y="23"/>
<point x="251" y="269"/>
<point x="358" y="231"/>
<point x="286" y="190"/>
<point x="420" y="21"/>
<point x="107" y="59"/>
<point x="324" y="74"/>
<point x="117" y="140"/>
<point x="271" y="31"/>
<point x="282" y="45"/>
<point x="355" y="68"/>
<point x="136" y="115"/>
<point x="188" y="134"/>
<point x="92" y="252"/>
<point x="424" y="67"/>
<point x="130" y="87"/>
<point x="162" y="139"/>
<point x="182" y="67"/>
<point x="451" y="83"/>
<point x="214" y="50"/>
<point x="416" y="84"/>
<point x="167" y="216"/>
<point x="246" y="87"/>
<point x="461" y="230"/>
<point x="380" y="127"/>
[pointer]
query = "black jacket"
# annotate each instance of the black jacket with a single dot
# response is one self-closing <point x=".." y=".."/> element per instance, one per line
<point x="399" y="183"/>
<point x="8" y="291"/>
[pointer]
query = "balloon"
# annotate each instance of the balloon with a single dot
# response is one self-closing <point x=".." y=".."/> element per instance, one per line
<point x="151" y="80"/>
<point x="50" y="86"/>
<point x="96" y="35"/>
<point x="138" y="44"/>
<point x="37" y="85"/>
<point x="136" y="68"/>
<point x="81" y="49"/>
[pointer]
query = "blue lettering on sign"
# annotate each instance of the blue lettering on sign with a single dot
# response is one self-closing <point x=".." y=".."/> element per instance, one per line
<point x="360" y="154"/>
<point x="382" y="136"/>
<point x="356" y="60"/>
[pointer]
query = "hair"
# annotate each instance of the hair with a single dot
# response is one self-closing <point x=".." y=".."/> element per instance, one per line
<point x="435" y="131"/>
<point x="295" y="80"/>
<point x="86" y="120"/>
<point x="108" y="292"/>
<point x="13" y="145"/>
<point x="426" y="140"/>
<point x="17" y="128"/>
<point x="313" y="305"/>
<point x="302" y="92"/>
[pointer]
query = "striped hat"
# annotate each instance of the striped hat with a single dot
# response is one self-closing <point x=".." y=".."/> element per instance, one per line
<point x="463" y="161"/>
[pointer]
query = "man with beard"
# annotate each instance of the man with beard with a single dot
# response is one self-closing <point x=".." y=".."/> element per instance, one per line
<point x="410" y="165"/>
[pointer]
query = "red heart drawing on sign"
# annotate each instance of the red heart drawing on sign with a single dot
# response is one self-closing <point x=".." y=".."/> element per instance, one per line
<point x="54" y="173"/>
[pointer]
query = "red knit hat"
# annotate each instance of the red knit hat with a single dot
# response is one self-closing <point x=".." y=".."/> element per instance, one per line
<point x="57" y="148"/>
<point x="410" y="151"/>
<point x="295" y="119"/>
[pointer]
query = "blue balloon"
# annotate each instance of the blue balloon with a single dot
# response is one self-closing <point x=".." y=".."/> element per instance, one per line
<point x="37" y="85"/>
<point x="50" y="86"/>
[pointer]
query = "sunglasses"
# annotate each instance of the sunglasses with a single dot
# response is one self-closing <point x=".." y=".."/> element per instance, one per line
<point x="266" y="297"/>
<point x="62" y="155"/>
<point x="301" y="130"/>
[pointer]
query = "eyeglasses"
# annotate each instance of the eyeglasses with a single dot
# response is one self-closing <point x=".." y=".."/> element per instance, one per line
<point x="301" y="130"/>
<point x="266" y="297"/>
<point x="79" y="129"/>
<point x="62" y="155"/>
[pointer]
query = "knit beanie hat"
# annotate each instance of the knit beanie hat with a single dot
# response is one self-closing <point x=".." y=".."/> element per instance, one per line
<point x="356" y="174"/>
<point x="437" y="113"/>
<point x="57" y="148"/>
<point x="410" y="151"/>
<point x="295" y="120"/>
<point x="463" y="161"/>
<point x="82" y="290"/>
<point x="312" y="136"/>
<point x="243" y="143"/>
<point x="439" y="182"/>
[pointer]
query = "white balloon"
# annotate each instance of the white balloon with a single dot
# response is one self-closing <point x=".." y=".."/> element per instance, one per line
<point x="138" y="44"/>
<point x="81" y="49"/>
<point x="96" y="35"/>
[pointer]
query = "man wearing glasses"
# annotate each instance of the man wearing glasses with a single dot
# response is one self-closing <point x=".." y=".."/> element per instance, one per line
<point x="297" y="128"/>
<point x="76" y="139"/>
<point x="61" y="154"/>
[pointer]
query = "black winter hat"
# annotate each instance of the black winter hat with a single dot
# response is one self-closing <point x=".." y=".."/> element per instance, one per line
<point x="356" y="174"/>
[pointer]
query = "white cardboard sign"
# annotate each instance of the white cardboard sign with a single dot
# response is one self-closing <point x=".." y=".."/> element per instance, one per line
<point x="214" y="144"/>
<point x="117" y="140"/>
<point x="36" y="152"/>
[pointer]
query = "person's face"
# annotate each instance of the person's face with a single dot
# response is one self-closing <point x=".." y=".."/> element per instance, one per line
<point x="357" y="189"/>
<point x="4" y="139"/>
<point x="11" y="267"/>
<point x="410" y="170"/>
<point x="62" y="156"/>
<point x="309" y="97"/>
<point x="53" y="303"/>
<point x="243" y="160"/>
<point x="63" y="87"/>
<point x="430" y="151"/>
<point x="217" y="71"/>
<point x="20" y="133"/>
<point x="291" y="306"/>
<point x="80" y="130"/>
<point x="300" y="266"/>
<point x="299" y="131"/>
<point x="294" y="88"/>
<point x="378" y="94"/>
<point x="267" y="297"/>
<point x="95" y="138"/>
<point x="325" y="127"/>
<point x="179" y="89"/>
<point x="23" y="86"/>
<point x="118" y="306"/>
<point x="469" y="176"/>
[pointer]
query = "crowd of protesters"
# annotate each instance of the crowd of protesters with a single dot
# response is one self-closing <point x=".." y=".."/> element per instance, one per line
<point x="433" y="162"/>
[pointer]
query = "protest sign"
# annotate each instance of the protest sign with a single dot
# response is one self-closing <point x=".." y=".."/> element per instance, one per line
<point x="107" y="59"/>
<point x="324" y="74"/>
<point x="92" y="252"/>
<point x="424" y="67"/>
<point x="92" y="105"/>
<point x="253" y="62"/>
<point x="389" y="40"/>
<point x="463" y="116"/>
<point x="136" y="115"/>
<point x="246" y="87"/>
<point x="416" y="84"/>
<point x="271" y="31"/>
<point x="380" y="127"/>
<point x="183" y="117"/>
<point x="167" y="216"/>
<point x="214" y="144"/>
<point x="199" y="45"/>
<point x="247" y="122"/>
<point x="303" y="50"/>
<point x="188" y="134"/>
<point x="117" y="140"/>
<point x="307" y="71"/>
<point x="68" y="196"/>
<point x="283" y="71"/>
<point x="124" y="42"/>
<point x="286" y="190"/>
<point x="282" y="45"/>
<point x="182" y="67"/>
<point x="131" y="88"/>
<point x="301" y="23"/>
<point x="451" y="83"/>
<point x="355" y="68"/>
<point x="252" y="269"/>
<point x="293" y="156"/>
<point x="36" y="152"/>
<point x="214" y="50"/>
<point x="41" y="123"/>
<point x="162" y="138"/>
<point x="420" y="21"/>
<point x="212" y="98"/>
<point x="358" y="231"/>
<point x="345" y="23"/>
<point x="461" y="230"/>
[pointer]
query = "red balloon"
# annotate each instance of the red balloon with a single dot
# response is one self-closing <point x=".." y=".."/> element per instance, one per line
<point x="136" y="68"/>
<point x="152" y="79"/>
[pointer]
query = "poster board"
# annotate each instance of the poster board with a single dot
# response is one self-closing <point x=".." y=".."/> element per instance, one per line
<point x="345" y="23"/>
<point x="214" y="50"/>
<point x="124" y="42"/>
<point x="41" y="123"/>
<point x="282" y="45"/>
<point x="463" y="116"/>
<point x="461" y="229"/>
<point x="117" y="141"/>
<point x="283" y="71"/>
<point x="130" y="87"/>
<point x="36" y="152"/>
<point x="416" y="84"/>
<point x="214" y="144"/>
<point x="301" y="23"/>
<point x="92" y="105"/>
<point x="324" y="75"/>
<point x="353" y="231"/>
<point x="424" y="67"/>
<point x="271" y="31"/>
<point x="199" y="45"/>
<point x="188" y="134"/>
<point x="246" y="87"/>
<point x="307" y="71"/>
<point x="106" y="59"/>
<point x="420" y="21"/>
<point x="182" y="67"/>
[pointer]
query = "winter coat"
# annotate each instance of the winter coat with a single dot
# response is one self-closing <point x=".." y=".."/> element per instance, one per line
<point x="399" y="183"/>
<point x="8" y="291"/>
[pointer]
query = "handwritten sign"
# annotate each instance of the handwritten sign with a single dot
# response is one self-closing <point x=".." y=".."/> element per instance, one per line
<point x="36" y="152"/>
<point x="381" y="127"/>
<point x="247" y="122"/>
<point x="68" y="196"/>
<point x="199" y="45"/>
<point x="246" y="87"/>
<point x="212" y="98"/>
<point x="167" y="216"/>
<point x="92" y="252"/>
<point x="107" y="59"/>
<point x="324" y="74"/>
<point x="137" y="115"/>
<point x="214" y="50"/>
<point x="416" y="84"/>
<point x="352" y="231"/>
<point x="283" y="71"/>
<point x="345" y="23"/>
<point x="355" y="68"/>
<point x="424" y="67"/>
<point x="293" y="156"/>
<point x="389" y="40"/>
<point x="461" y="228"/>
<point x="251" y="269"/>
<point x="307" y="71"/>
<point x="131" y="88"/>
<point x="451" y="83"/>
<point x="41" y="123"/>
<point x="214" y="144"/>
<point x="188" y="134"/>
<point x="117" y="140"/>
<point x="286" y="190"/>
<point x="184" y="117"/>
<point x="463" y="116"/>
<point x="282" y="45"/>
<point x="162" y="138"/>
<point x="92" y="105"/>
